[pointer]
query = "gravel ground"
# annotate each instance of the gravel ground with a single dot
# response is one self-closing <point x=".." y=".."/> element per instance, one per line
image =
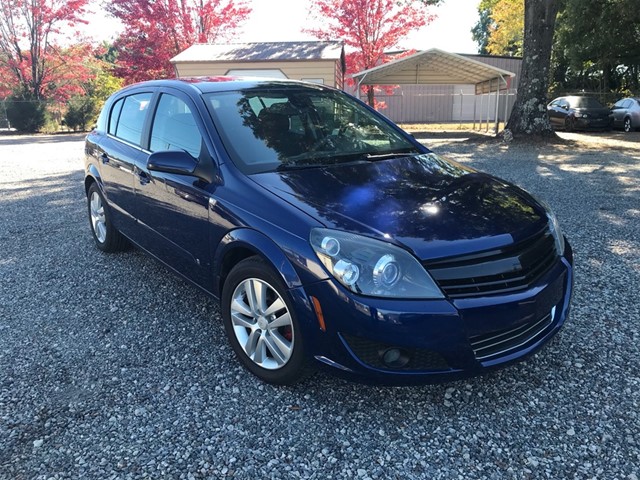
<point x="110" y="367"/>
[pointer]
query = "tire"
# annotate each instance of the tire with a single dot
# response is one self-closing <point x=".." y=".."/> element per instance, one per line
<point x="264" y="334"/>
<point x="627" y="126"/>
<point x="105" y="235"/>
<point x="569" y="124"/>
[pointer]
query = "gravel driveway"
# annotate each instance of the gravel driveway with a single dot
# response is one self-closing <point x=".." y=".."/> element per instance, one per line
<point x="111" y="367"/>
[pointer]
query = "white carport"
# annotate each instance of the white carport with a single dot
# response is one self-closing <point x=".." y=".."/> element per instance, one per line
<point x="437" y="67"/>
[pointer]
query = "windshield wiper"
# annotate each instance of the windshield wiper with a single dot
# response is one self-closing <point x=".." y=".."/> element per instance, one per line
<point x="405" y="152"/>
<point x="319" y="159"/>
<point x="297" y="166"/>
<point x="322" y="159"/>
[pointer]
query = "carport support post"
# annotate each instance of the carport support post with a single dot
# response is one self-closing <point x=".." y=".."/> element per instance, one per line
<point x="359" y="85"/>
<point x="460" y="119"/>
<point x="497" y="106"/>
<point x="506" y="106"/>
<point x="475" y="108"/>
<point x="488" y="108"/>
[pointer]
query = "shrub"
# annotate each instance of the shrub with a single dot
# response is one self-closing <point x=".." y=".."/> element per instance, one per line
<point x="81" y="111"/>
<point x="26" y="115"/>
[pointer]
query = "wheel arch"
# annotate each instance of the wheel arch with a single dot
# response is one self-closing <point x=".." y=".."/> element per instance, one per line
<point x="243" y="243"/>
<point x="92" y="176"/>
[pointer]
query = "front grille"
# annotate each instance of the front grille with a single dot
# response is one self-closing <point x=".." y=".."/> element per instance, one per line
<point x="502" y="342"/>
<point x="370" y="353"/>
<point x="505" y="270"/>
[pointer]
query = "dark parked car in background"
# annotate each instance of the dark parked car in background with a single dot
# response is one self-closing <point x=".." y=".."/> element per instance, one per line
<point x="578" y="113"/>
<point x="626" y="114"/>
<point x="331" y="237"/>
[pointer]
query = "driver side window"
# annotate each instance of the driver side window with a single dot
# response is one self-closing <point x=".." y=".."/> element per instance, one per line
<point x="174" y="127"/>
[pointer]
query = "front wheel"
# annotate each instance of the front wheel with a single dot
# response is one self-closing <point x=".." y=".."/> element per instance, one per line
<point x="261" y="323"/>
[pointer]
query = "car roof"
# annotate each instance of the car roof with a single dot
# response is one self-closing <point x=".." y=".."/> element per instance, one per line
<point x="224" y="83"/>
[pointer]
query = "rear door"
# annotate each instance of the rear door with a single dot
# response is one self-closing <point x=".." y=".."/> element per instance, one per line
<point x="119" y="152"/>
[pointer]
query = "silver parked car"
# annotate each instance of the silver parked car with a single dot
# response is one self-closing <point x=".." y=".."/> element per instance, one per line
<point x="626" y="114"/>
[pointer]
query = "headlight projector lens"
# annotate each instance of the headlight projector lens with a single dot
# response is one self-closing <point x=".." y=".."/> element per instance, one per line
<point x="386" y="272"/>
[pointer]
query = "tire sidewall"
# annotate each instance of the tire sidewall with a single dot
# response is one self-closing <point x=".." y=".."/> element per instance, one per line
<point x="255" y="267"/>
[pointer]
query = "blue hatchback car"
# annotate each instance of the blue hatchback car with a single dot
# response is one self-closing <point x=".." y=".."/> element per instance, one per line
<point x="331" y="237"/>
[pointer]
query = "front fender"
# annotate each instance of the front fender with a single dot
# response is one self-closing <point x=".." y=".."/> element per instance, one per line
<point x="244" y="239"/>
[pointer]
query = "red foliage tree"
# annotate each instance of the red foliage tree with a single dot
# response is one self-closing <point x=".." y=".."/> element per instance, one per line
<point x="368" y="28"/>
<point x="157" y="30"/>
<point x="32" y="63"/>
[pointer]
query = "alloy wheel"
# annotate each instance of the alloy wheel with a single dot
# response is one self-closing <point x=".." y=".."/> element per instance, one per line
<point x="262" y="324"/>
<point x="627" y="124"/>
<point x="98" y="220"/>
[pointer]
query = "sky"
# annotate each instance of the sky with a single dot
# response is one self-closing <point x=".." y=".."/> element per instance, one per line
<point x="283" y="20"/>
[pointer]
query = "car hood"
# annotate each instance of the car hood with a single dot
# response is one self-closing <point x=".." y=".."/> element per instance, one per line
<point x="435" y="207"/>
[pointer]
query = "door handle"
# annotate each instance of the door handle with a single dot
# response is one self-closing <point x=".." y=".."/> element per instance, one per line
<point x="104" y="158"/>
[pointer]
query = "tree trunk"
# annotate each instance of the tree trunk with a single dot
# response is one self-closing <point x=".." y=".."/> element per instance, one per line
<point x="529" y="116"/>
<point x="371" y="99"/>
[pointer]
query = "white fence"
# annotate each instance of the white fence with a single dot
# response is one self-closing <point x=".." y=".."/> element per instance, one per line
<point x="448" y="104"/>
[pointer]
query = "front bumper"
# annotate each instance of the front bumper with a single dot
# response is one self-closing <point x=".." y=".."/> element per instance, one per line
<point x="442" y="339"/>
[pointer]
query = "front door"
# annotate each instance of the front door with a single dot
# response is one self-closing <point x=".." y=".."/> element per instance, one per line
<point x="172" y="209"/>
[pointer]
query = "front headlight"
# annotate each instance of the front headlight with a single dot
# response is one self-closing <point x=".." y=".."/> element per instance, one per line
<point x="554" y="226"/>
<point x="372" y="267"/>
<point x="556" y="231"/>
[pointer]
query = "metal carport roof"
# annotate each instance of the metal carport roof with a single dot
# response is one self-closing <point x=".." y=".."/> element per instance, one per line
<point x="435" y="66"/>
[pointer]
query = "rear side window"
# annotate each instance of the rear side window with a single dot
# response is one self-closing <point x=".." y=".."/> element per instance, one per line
<point x="174" y="127"/>
<point x="127" y="117"/>
<point x="115" y="115"/>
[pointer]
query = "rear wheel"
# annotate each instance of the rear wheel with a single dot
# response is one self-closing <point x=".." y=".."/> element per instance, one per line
<point x="261" y="324"/>
<point x="569" y="124"/>
<point x="106" y="236"/>
<point x="627" y="125"/>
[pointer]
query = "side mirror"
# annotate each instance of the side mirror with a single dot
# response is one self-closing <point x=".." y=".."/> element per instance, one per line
<point x="566" y="107"/>
<point x="178" y="161"/>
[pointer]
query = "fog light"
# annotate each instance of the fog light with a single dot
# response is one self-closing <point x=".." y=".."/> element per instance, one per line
<point x="395" y="358"/>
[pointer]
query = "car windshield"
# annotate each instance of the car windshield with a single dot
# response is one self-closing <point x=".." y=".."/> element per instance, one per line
<point x="584" y="102"/>
<point x="277" y="128"/>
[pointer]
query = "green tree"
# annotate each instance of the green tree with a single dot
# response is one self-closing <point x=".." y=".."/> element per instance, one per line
<point x="507" y="30"/>
<point x="500" y="28"/>
<point x="480" y="32"/>
<point x="26" y="114"/>
<point x="598" y="46"/>
<point x="83" y="109"/>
